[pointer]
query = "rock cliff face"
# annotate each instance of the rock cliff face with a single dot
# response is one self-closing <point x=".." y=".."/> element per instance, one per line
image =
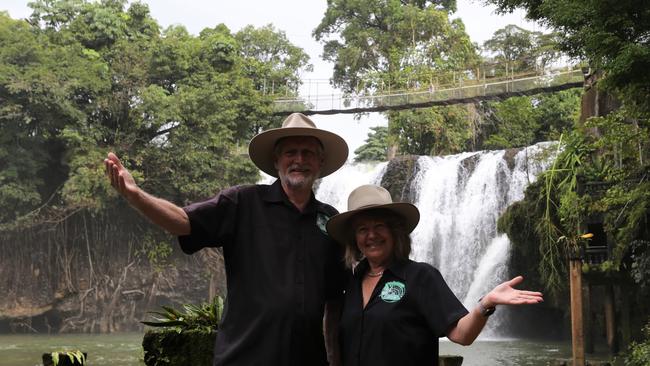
<point x="398" y="176"/>
<point x="94" y="273"/>
<point x="460" y="198"/>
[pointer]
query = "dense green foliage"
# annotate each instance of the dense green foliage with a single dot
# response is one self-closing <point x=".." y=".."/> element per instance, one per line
<point x="559" y="206"/>
<point x="86" y="78"/>
<point x="388" y="44"/>
<point x="183" y="337"/>
<point x="523" y="121"/>
<point x="516" y="50"/>
<point x="393" y="45"/>
<point x="168" y="347"/>
<point x="612" y="149"/>
<point x="431" y="131"/>
<point x="376" y="146"/>
<point x="612" y="36"/>
<point x="639" y="353"/>
<point x="601" y="173"/>
<point x="206" y="316"/>
<point x="81" y="78"/>
<point x="271" y="61"/>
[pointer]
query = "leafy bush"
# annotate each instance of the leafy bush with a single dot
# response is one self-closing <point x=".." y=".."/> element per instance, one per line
<point x="185" y="337"/>
<point x="204" y="317"/>
<point x="64" y="358"/>
<point x="639" y="353"/>
<point x="190" y="347"/>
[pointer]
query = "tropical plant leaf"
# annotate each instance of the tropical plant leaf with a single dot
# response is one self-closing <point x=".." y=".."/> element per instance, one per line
<point x="204" y="316"/>
<point x="170" y="323"/>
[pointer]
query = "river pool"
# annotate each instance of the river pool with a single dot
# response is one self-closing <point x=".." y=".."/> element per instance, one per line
<point x="125" y="350"/>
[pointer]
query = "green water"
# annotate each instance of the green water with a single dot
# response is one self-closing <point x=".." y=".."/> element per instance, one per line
<point x="515" y="352"/>
<point x="125" y="350"/>
<point x="103" y="349"/>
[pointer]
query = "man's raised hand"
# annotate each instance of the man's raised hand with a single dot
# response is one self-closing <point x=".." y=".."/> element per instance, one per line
<point x="120" y="177"/>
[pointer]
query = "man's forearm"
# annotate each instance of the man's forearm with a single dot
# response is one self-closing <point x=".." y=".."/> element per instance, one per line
<point x="162" y="213"/>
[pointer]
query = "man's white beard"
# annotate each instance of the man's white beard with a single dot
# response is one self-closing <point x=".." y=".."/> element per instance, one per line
<point x="298" y="182"/>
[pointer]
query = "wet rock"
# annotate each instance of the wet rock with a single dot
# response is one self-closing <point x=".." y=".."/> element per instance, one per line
<point x="448" y="360"/>
<point x="398" y="176"/>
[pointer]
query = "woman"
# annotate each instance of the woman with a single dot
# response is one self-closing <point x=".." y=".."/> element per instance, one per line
<point x="395" y="309"/>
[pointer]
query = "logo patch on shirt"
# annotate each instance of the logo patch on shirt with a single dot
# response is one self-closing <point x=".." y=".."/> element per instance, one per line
<point x="321" y="221"/>
<point x="393" y="291"/>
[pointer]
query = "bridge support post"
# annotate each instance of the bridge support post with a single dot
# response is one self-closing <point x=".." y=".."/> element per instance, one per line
<point x="577" y="325"/>
<point x="610" y="319"/>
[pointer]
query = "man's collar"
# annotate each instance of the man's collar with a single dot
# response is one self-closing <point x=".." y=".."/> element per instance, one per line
<point x="276" y="194"/>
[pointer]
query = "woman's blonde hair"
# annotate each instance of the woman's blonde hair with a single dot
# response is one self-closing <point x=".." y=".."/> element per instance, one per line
<point x="394" y="222"/>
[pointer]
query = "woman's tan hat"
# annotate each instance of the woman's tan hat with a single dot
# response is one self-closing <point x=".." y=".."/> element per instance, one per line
<point x="262" y="146"/>
<point x="370" y="197"/>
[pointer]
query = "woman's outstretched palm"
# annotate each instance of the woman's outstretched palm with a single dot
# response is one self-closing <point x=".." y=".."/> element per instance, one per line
<point x="506" y="294"/>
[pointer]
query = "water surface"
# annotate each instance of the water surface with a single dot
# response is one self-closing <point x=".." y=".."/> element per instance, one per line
<point x="513" y="352"/>
<point x="103" y="349"/>
<point x="126" y="350"/>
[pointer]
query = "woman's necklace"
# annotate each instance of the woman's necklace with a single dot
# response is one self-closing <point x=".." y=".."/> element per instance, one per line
<point x="375" y="274"/>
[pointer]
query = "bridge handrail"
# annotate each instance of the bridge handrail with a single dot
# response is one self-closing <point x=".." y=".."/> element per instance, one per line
<point x="473" y="83"/>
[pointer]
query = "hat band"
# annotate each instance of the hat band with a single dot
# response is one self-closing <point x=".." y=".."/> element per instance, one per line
<point x="371" y="205"/>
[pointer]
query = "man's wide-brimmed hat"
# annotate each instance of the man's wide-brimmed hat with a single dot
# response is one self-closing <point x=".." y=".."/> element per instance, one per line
<point x="262" y="146"/>
<point x="370" y="197"/>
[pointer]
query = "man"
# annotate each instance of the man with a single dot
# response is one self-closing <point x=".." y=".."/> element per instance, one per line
<point x="283" y="271"/>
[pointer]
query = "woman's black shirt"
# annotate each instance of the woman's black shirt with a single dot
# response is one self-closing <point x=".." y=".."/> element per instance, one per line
<point x="410" y="308"/>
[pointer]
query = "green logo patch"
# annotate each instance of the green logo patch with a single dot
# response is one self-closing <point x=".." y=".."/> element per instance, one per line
<point x="393" y="291"/>
<point x="321" y="222"/>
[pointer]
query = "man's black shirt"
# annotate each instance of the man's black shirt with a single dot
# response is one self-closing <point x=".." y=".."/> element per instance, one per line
<point x="409" y="309"/>
<point x="281" y="269"/>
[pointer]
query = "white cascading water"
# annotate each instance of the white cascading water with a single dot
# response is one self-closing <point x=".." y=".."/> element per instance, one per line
<point x="335" y="188"/>
<point x="460" y="198"/>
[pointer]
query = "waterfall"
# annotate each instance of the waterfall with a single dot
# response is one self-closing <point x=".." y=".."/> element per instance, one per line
<point x="460" y="198"/>
<point x="335" y="188"/>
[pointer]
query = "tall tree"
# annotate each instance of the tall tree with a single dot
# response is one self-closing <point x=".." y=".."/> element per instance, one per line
<point x="42" y="98"/>
<point x="271" y="60"/>
<point x="522" y="121"/>
<point x="376" y="146"/>
<point x="431" y="131"/>
<point x="612" y="148"/>
<point x="515" y="49"/>
<point x="81" y="78"/>
<point x="272" y="63"/>
<point x="612" y="36"/>
<point x="389" y="44"/>
<point x="385" y="46"/>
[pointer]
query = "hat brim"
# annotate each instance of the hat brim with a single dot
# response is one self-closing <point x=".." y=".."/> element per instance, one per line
<point x="338" y="226"/>
<point x="261" y="148"/>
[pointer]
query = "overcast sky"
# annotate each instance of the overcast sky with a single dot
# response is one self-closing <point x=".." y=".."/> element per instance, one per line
<point x="298" y="18"/>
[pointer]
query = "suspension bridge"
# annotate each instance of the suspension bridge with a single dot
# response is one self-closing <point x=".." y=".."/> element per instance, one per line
<point x="462" y="90"/>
